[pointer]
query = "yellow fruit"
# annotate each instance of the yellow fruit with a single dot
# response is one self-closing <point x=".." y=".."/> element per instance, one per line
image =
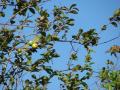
<point x="34" y="45"/>
<point x="42" y="18"/>
<point x="69" y="75"/>
<point x="74" y="69"/>
<point x="45" y="78"/>
<point x="19" y="51"/>
<point x="65" y="79"/>
<point x="55" y="37"/>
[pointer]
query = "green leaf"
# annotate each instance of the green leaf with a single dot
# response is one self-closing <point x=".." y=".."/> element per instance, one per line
<point x="29" y="61"/>
<point x="17" y="1"/>
<point x="44" y="13"/>
<point x="55" y="26"/>
<point x="73" y="5"/>
<point x="12" y="80"/>
<point x="73" y="56"/>
<point x="85" y="85"/>
<point x="12" y="21"/>
<point x="56" y="55"/>
<point x="34" y="76"/>
<point x="104" y="27"/>
<point x="2" y="14"/>
<point x="32" y="10"/>
<point x="70" y="22"/>
<point x="76" y="9"/>
<point x="88" y="58"/>
<point x="27" y="82"/>
<point x="73" y="12"/>
<point x="74" y="37"/>
<point x="117" y="12"/>
<point x="80" y="31"/>
<point x="12" y="3"/>
<point x="114" y="24"/>
<point x="48" y="38"/>
<point x="37" y="8"/>
<point x="48" y="69"/>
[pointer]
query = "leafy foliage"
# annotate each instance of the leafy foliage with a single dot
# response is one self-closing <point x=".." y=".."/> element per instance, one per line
<point x="110" y="78"/>
<point x="17" y="47"/>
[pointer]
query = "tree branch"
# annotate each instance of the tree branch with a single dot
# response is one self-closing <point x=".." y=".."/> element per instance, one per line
<point x="8" y="24"/>
<point x="109" y="40"/>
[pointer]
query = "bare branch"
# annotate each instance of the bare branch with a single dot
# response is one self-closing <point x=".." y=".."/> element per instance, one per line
<point x="109" y="40"/>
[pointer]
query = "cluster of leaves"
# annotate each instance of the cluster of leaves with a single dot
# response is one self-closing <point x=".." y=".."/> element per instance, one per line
<point x="110" y="78"/>
<point x="6" y="37"/>
<point x="62" y="21"/>
<point x="42" y="22"/>
<point x="36" y="83"/>
<point x="87" y="38"/>
<point x="9" y="72"/>
<point x="73" y="80"/>
<point x="114" y="50"/>
<point x="114" y="20"/>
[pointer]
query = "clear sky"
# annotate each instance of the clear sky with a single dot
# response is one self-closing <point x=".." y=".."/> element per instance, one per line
<point x="92" y="14"/>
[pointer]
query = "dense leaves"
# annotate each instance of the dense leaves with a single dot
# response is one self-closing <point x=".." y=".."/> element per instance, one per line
<point x="110" y="79"/>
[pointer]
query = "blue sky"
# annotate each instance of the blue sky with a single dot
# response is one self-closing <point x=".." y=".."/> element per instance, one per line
<point x="92" y="14"/>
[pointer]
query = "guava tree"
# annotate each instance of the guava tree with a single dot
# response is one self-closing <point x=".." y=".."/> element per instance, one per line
<point x="28" y="37"/>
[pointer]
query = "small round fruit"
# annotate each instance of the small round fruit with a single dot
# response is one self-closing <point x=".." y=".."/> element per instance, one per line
<point x="64" y="79"/>
<point x="55" y="37"/>
<point x="42" y="18"/>
<point x="34" y="45"/>
<point x="19" y="51"/>
<point x="74" y="69"/>
<point x="45" y="78"/>
<point x="30" y="43"/>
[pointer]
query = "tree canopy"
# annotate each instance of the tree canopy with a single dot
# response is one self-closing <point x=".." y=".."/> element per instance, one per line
<point x="29" y="39"/>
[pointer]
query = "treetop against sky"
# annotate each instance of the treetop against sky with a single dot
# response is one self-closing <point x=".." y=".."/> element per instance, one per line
<point x="59" y="44"/>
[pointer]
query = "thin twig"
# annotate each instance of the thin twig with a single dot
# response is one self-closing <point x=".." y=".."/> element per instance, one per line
<point x="73" y="47"/>
<point x="69" y="41"/>
<point x="109" y="40"/>
<point x="20" y="11"/>
<point x="8" y="24"/>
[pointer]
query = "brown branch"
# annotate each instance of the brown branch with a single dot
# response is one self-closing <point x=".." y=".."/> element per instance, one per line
<point x="69" y="41"/>
<point x="73" y="47"/>
<point x="20" y="11"/>
<point x="8" y="24"/>
<point x="86" y="43"/>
